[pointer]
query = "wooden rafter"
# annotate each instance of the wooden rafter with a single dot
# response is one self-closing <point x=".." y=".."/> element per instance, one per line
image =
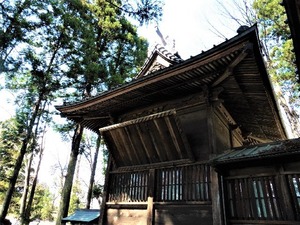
<point x="151" y="139"/>
<point x="248" y="47"/>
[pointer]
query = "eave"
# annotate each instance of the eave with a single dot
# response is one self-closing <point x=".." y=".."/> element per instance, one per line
<point x="231" y="65"/>
<point x="257" y="155"/>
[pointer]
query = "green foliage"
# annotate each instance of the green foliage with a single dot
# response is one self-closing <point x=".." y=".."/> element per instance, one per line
<point x="10" y="142"/>
<point x="76" y="198"/>
<point x="43" y="206"/>
<point x="97" y="191"/>
<point x="275" y="34"/>
<point x="53" y="49"/>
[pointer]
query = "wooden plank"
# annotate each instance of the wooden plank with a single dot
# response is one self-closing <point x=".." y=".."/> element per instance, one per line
<point x="144" y="146"/>
<point x="125" y="145"/>
<point x="164" y="141"/>
<point x="121" y="216"/>
<point x="119" y="152"/>
<point x="183" y="214"/>
<point x="140" y="158"/>
<point x="174" y="138"/>
<point x="156" y="146"/>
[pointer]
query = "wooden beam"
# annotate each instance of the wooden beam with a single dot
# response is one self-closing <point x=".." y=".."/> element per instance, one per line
<point x="143" y="142"/>
<point x="118" y="146"/>
<point x="173" y="136"/>
<point x="124" y="144"/>
<point x="248" y="47"/>
<point x="131" y="145"/>
<point x="163" y="139"/>
<point x="156" y="146"/>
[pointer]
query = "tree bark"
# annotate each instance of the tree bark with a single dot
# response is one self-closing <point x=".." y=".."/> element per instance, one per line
<point x="93" y="172"/>
<point x="26" y="189"/>
<point x="19" y="161"/>
<point x="27" y="212"/>
<point x="67" y="188"/>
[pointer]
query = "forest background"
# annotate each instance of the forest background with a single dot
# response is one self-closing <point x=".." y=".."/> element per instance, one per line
<point x="46" y="59"/>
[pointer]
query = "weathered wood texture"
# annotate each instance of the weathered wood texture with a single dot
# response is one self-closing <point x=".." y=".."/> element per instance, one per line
<point x="126" y="217"/>
<point x="151" y="196"/>
<point x="263" y="195"/>
<point x="183" y="215"/>
<point x="147" y="140"/>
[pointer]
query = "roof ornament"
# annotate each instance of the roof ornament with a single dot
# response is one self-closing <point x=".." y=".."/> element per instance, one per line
<point x="163" y="41"/>
<point x="166" y="41"/>
<point x="242" y="28"/>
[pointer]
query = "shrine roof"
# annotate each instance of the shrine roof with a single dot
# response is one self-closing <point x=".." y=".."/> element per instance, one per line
<point x="289" y="148"/>
<point x="153" y="63"/>
<point x="235" y="65"/>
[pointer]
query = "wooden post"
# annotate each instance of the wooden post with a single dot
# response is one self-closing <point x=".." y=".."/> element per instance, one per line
<point x="151" y="194"/>
<point x="105" y="193"/>
<point x="286" y="196"/>
<point x="215" y="198"/>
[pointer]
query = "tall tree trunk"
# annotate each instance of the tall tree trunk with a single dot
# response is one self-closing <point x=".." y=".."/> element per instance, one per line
<point x="93" y="171"/>
<point x="26" y="188"/>
<point x="26" y="220"/>
<point x="19" y="161"/>
<point x="67" y="188"/>
<point x="27" y="178"/>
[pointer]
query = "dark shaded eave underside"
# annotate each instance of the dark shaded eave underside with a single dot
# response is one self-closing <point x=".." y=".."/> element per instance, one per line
<point x="151" y="139"/>
<point x="186" y="78"/>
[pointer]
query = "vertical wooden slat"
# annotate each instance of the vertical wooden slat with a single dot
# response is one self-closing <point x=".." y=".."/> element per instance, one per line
<point x="230" y="192"/>
<point x="249" y="210"/>
<point x="206" y="179"/>
<point x="237" y="198"/>
<point x="208" y="176"/>
<point x="291" y="189"/>
<point x="271" y="188"/>
<point x="266" y="198"/>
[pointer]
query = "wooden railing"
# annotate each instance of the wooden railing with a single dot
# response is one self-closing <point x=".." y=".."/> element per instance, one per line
<point x="180" y="183"/>
<point x="263" y="198"/>
<point x="294" y="185"/>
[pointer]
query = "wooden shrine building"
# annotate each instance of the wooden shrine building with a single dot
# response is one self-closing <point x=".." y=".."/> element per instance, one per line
<point x="196" y="141"/>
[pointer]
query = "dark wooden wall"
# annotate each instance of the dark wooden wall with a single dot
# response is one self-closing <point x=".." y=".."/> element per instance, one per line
<point x="268" y="194"/>
<point x="179" y="193"/>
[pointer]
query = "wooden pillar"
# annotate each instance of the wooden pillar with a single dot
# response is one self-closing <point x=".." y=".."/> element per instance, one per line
<point x="286" y="195"/>
<point x="211" y="132"/>
<point x="105" y="193"/>
<point x="216" y="198"/>
<point x="151" y="195"/>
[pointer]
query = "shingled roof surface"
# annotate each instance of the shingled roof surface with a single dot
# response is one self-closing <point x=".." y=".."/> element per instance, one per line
<point x="235" y="65"/>
<point x="269" y="150"/>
